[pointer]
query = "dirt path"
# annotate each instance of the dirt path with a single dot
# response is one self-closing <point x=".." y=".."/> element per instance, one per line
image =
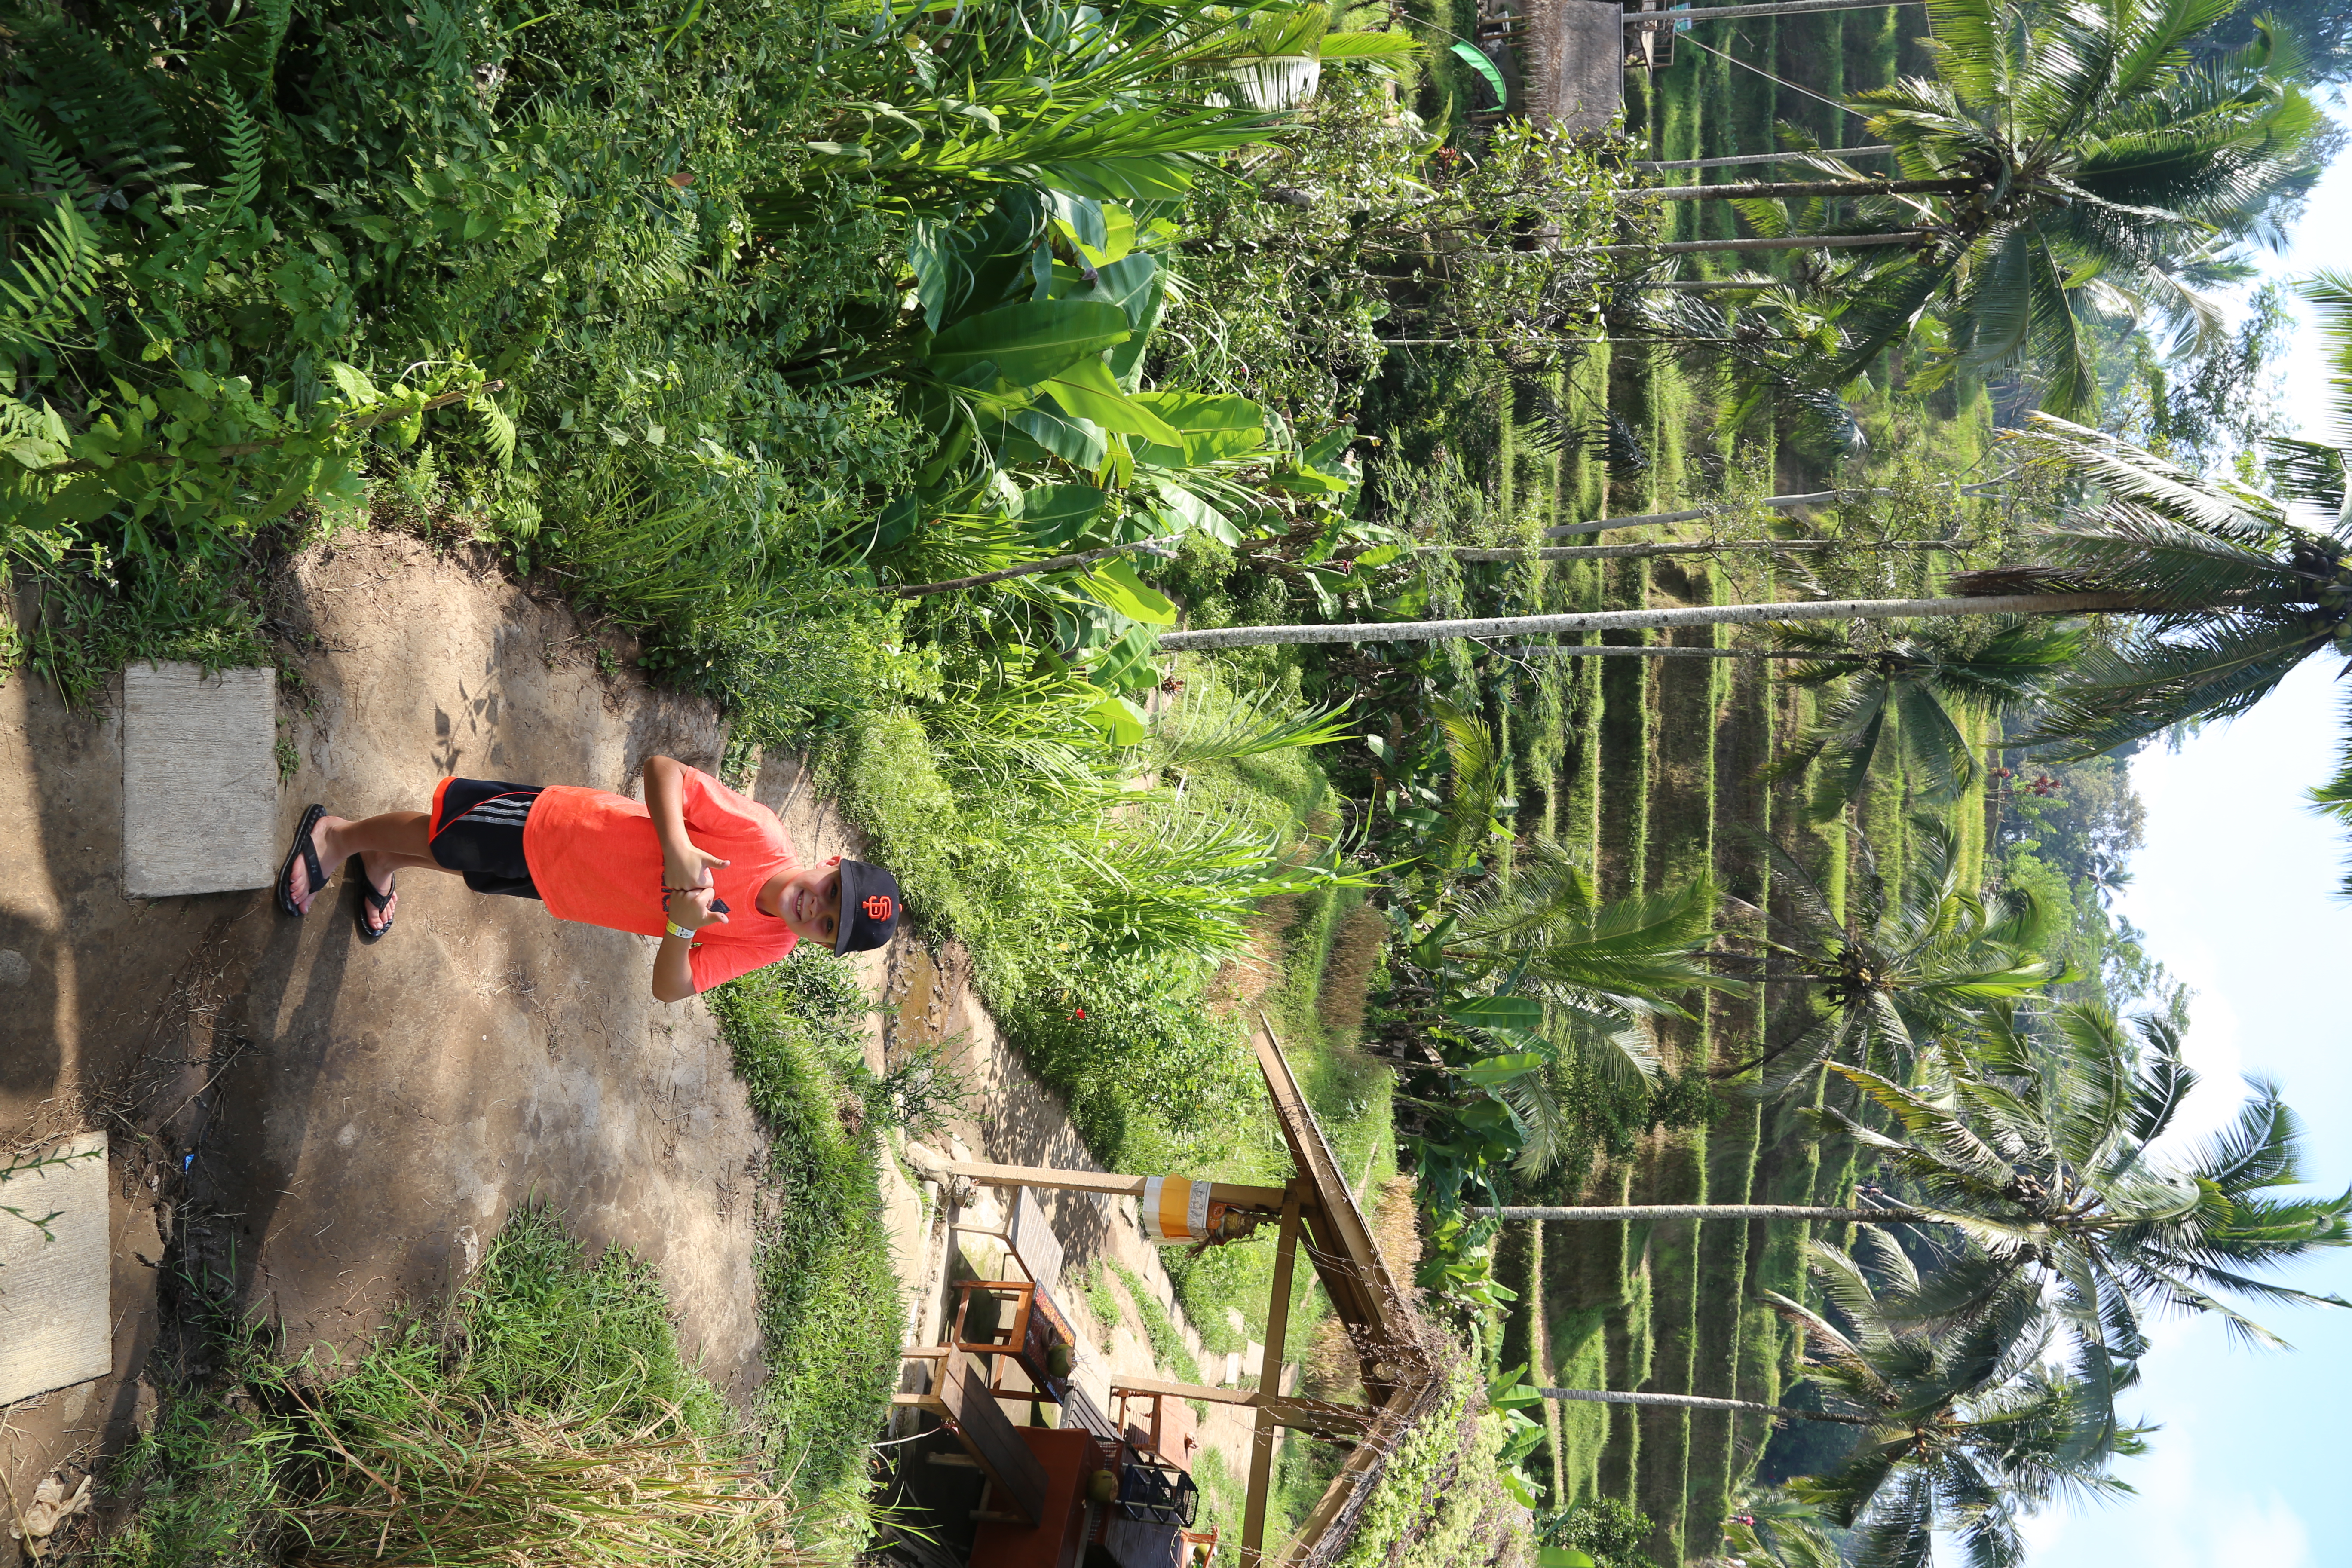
<point x="324" y="1130"/>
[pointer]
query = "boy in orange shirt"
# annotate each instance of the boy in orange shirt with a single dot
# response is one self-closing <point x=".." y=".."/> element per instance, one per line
<point x="708" y="871"/>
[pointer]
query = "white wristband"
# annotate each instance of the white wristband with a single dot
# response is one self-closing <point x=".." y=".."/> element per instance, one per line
<point x="678" y="931"/>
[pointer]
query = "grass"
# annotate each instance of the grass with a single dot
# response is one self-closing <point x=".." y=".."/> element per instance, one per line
<point x="1168" y="1347"/>
<point x="541" y="1415"/>
<point x="831" y="1319"/>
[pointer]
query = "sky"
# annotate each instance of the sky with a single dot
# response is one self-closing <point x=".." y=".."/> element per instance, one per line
<point x="2235" y="889"/>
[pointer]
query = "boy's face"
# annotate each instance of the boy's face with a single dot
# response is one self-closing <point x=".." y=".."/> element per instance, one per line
<point x="808" y="900"/>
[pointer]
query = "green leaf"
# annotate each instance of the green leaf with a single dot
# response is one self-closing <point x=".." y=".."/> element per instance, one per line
<point x="1029" y="341"/>
<point x="1116" y="585"/>
<point x="1215" y="426"/>
<point x="1146" y="177"/>
<point x="1476" y="58"/>
<point x="1187" y="513"/>
<point x="1125" y="664"/>
<point x="1087" y="390"/>
<point x="1082" y="215"/>
<point x="1077" y="442"/>
<point x="1057" y="516"/>
<point x="1492" y="1070"/>
<point x="1564" y="1557"/>
<point x="1367" y="46"/>
<point x="1121" y="721"/>
<point x="1498" y="1012"/>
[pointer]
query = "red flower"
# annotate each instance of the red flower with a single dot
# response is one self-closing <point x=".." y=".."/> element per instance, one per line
<point x="1079" y="1015"/>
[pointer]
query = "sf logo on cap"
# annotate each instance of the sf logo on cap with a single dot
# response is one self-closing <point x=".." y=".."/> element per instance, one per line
<point x="878" y="907"/>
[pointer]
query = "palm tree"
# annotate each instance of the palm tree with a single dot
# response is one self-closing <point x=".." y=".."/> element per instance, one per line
<point x="1917" y="680"/>
<point x="1962" y="1426"/>
<point x="2035" y="1142"/>
<point x="2100" y="156"/>
<point x="1974" y="1426"/>
<point x="1529" y="956"/>
<point x="2071" y="149"/>
<point x="1897" y="974"/>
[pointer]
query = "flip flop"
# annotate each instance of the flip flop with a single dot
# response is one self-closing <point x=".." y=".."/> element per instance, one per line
<point x="307" y="852"/>
<point x="371" y="900"/>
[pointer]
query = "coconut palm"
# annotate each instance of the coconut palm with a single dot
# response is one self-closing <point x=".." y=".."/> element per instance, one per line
<point x="2103" y="161"/>
<point x="1964" y="1430"/>
<point x="1894" y="969"/>
<point x="2040" y="1135"/>
<point x="1973" y="1428"/>
<point x="1917" y="680"/>
<point x="2036" y="1140"/>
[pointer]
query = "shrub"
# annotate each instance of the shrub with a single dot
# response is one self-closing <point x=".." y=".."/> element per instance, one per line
<point x="1118" y="1042"/>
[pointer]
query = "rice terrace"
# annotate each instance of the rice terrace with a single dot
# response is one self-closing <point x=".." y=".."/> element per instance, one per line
<point x="999" y="783"/>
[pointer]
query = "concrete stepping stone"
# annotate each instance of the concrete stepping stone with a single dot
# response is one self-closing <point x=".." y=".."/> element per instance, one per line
<point x="199" y="780"/>
<point x="55" y="1329"/>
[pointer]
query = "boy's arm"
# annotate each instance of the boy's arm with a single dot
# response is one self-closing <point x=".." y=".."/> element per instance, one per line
<point x="684" y="866"/>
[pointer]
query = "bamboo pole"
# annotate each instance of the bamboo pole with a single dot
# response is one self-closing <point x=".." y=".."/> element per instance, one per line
<point x="1775" y="190"/>
<point x="1658" y="650"/>
<point x="1110" y="1183"/>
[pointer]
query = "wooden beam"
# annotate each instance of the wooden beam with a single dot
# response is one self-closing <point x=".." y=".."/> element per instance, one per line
<point x="1301" y="1414"/>
<point x="1269" y="1377"/>
<point x="1111" y="1182"/>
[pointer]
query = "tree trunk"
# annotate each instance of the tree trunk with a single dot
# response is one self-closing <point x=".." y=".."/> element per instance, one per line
<point x="1644" y="620"/>
<point x="1700" y="1402"/>
<point x="1776" y="190"/>
<point x="1623" y="1212"/>
<point x="1779" y="8"/>
<point x="1786" y="242"/>
<point x="1700" y="547"/>
<point x="1651" y="164"/>
<point x="1777" y="503"/>
<point x="1659" y="650"/>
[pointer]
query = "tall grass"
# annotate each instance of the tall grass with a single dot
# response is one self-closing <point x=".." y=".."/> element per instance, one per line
<point x="542" y="1417"/>
<point x="831" y="1318"/>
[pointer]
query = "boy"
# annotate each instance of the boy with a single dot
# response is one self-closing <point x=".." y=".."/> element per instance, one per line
<point x="708" y="871"/>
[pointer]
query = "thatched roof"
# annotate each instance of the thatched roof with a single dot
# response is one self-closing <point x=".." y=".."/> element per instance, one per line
<point x="1572" y="62"/>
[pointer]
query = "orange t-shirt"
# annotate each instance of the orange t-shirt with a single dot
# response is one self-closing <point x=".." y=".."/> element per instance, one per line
<point x="595" y="858"/>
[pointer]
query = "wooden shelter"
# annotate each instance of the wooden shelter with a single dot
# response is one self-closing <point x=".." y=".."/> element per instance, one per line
<point x="1315" y="1215"/>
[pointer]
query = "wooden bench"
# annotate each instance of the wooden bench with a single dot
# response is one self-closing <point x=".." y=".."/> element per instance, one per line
<point x="967" y="1408"/>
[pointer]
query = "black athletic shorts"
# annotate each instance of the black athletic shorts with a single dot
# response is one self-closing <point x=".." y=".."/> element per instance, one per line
<point x="476" y="828"/>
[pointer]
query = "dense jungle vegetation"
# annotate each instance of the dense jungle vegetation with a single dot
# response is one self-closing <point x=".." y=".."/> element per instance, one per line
<point x="905" y="375"/>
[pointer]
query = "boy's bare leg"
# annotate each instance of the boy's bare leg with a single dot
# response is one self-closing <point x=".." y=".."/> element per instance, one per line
<point x="391" y="842"/>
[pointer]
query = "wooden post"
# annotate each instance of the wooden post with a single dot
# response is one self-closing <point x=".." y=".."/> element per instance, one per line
<point x="1108" y="1183"/>
<point x="1269" y="1377"/>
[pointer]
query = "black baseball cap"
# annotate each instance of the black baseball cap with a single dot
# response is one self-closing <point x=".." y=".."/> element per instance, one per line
<point x="869" y="907"/>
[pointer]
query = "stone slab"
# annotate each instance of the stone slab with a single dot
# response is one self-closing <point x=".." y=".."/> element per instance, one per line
<point x="55" y="1330"/>
<point x="199" y="780"/>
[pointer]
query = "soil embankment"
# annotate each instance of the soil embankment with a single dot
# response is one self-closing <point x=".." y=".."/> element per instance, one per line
<point x="319" y="1130"/>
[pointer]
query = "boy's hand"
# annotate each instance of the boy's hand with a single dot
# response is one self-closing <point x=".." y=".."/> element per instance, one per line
<point x="691" y="910"/>
<point x="689" y="867"/>
<point x="684" y="866"/>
